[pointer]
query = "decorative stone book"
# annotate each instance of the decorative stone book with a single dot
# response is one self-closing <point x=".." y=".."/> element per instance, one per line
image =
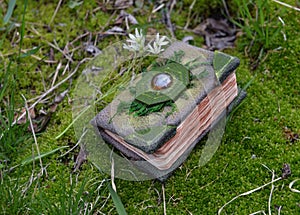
<point x="171" y="107"/>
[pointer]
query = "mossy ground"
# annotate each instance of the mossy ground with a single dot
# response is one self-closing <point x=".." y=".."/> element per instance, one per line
<point x="255" y="134"/>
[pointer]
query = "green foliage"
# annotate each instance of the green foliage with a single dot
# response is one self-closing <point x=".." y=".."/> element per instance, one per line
<point x="11" y="137"/>
<point x="12" y="199"/>
<point x="256" y="128"/>
<point x="42" y="155"/>
<point x="74" y="194"/>
<point x="30" y="52"/>
<point x="197" y="10"/>
<point x="11" y="6"/>
<point x="117" y="201"/>
<point x="141" y="109"/>
<point x="70" y="199"/>
<point x="259" y="22"/>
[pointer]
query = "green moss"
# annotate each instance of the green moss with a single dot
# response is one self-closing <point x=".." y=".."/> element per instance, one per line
<point x="256" y="128"/>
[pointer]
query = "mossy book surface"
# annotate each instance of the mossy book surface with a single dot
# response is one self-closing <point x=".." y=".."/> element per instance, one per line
<point x="177" y="86"/>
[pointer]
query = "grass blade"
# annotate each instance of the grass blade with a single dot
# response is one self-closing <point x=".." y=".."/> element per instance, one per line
<point x="31" y="159"/>
<point x="117" y="201"/>
<point x="11" y="6"/>
<point x="22" y="32"/>
<point x="30" y="52"/>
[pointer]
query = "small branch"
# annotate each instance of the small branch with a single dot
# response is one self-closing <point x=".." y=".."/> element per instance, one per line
<point x="51" y="90"/>
<point x="158" y="8"/>
<point x="271" y="193"/>
<point x="108" y="21"/>
<point x="113" y="185"/>
<point x="189" y="15"/>
<point x="291" y="186"/>
<point x="32" y="55"/>
<point x="56" y="73"/>
<point x="79" y="37"/>
<point x="286" y="5"/>
<point x="33" y="132"/>
<point x="83" y="134"/>
<point x="164" y="198"/>
<point x="247" y="193"/>
<point x="39" y="58"/>
<point x="61" y="51"/>
<point x="258" y="212"/>
<point x="55" y="12"/>
<point x="226" y="8"/>
<point x="167" y="21"/>
<point x="279" y="210"/>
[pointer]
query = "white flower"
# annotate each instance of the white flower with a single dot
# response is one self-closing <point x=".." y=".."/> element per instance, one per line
<point x="161" y="41"/>
<point x="155" y="49"/>
<point x="136" y="42"/>
<point x="157" y="44"/>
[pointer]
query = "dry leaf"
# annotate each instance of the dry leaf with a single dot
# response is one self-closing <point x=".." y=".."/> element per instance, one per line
<point x="218" y="34"/>
<point x="286" y="171"/>
<point x="23" y="119"/>
<point x="81" y="158"/>
<point x="92" y="50"/>
<point x="123" y="16"/>
<point x="52" y="107"/>
<point x="291" y="136"/>
<point x="40" y="122"/>
<point x="58" y="99"/>
<point x="115" y="30"/>
<point x="121" y="4"/>
<point x="116" y="4"/>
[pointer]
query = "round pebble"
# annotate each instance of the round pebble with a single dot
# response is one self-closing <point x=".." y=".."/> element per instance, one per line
<point x="161" y="81"/>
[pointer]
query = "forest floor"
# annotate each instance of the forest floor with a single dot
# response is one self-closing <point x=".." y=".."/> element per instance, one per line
<point x="43" y="52"/>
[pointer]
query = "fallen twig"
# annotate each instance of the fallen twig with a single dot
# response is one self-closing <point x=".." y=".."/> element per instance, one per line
<point x="79" y="37"/>
<point x="81" y="157"/>
<point x="226" y="8"/>
<point x="39" y="58"/>
<point x="55" y="12"/>
<point x="258" y="212"/>
<point x="247" y="193"/>
<point x="33" y="132"/>
<point x="271" y="193"/>
<point x="75" y="144"/>
<point x="51" y="90"/>
<point x="113" y="185"/>
<point x="287" y="5"/>
<point x="164" y="198"/>
<point x="61" y="51"/>
<point x="291" y="186"/>
<point x="108" y="21"/>
<point x="189" y="15"/>
<point x="32" y="55"/>
<point x="158" y="8"/>
<point x="56" y="73"/>
<point x="167" y="21"/>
